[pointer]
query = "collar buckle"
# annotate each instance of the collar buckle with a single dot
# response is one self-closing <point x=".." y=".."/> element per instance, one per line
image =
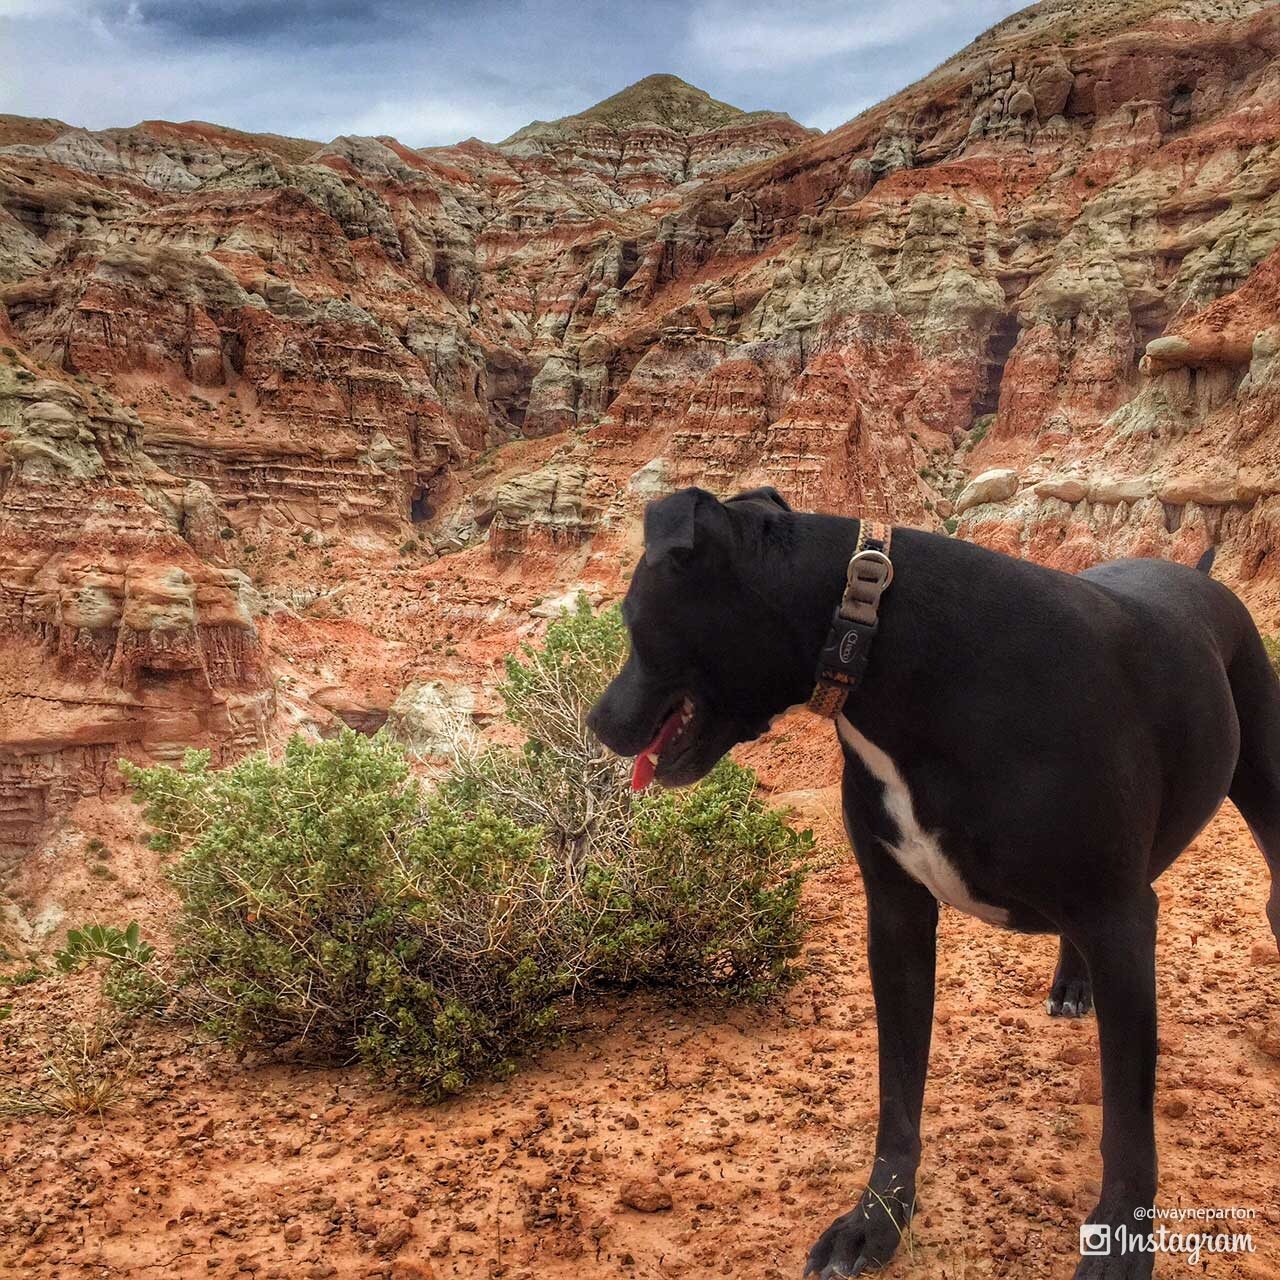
<point x="842" y="661"/>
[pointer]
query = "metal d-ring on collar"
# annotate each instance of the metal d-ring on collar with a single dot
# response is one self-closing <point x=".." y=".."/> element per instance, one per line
<point x="843" y="659"/>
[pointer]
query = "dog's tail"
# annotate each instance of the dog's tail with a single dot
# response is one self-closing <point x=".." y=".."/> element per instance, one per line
<point x="1205" y="563"/>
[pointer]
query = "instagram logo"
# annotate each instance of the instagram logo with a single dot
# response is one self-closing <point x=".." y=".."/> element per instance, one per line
<point x="1095" y="1240"/>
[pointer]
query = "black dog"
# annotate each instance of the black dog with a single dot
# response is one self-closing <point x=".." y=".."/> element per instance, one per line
<point x="1033" y="747"/>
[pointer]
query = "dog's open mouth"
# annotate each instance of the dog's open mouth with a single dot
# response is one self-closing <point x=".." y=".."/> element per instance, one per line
<point x="670" y="737"/>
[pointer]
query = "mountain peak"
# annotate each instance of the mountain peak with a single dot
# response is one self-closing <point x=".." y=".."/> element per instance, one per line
<point x="661" y="99"/>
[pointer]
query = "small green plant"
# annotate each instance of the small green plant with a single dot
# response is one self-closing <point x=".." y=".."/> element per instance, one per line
<point x="22" y="977"/>
<point x="978" y="433"/>
<point x="103" y="942"/>
<point x="1272" y="646"/>
<point x="127" y="981"/>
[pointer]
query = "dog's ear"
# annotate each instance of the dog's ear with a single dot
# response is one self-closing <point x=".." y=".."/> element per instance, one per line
<point x="765" y="493"/>
<point x="677" y="526"/>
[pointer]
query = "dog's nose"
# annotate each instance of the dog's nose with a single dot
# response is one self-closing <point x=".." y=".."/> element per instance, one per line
<point x="603" y="721"/>
<point x="599" y="721"/>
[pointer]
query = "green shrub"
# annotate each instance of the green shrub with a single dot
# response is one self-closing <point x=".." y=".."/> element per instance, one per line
<point x="978" y="432"/>
<point x="330" y="902"/>
<point x="1272" y="645"/>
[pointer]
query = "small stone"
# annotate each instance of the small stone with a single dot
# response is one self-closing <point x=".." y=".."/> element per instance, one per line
<point x="1174" y="1106"/>
<point x="1263" y="953"/>
<point x="293" y="1233"/>
<point x="411" y="1270"/>
<point x="394" y="1236"/>
<point x="1090" y="1091"/>
<point x="1268" y="1039"/>
<point x="645" y="1195"/>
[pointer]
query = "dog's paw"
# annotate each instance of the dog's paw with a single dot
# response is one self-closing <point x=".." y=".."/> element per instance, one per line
<point x="863" y="1240"/>
<point x="1069" y="998"/>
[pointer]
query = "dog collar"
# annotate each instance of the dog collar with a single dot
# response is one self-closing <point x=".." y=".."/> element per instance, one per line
<point x="843" y="659"/>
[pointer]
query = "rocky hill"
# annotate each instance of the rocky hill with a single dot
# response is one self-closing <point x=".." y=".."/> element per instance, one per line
<point x="658" y="135"/>
<point x="295" y="433"/>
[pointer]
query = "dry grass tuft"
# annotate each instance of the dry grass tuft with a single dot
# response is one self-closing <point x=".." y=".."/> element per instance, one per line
<point x="75" y="1079"/>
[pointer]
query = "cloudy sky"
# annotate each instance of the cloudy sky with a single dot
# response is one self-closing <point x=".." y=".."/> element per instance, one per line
<point x="437" y="71"/>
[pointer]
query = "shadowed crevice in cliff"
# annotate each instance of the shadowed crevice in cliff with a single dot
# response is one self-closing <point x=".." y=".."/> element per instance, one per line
<point x="1000" y="345"/>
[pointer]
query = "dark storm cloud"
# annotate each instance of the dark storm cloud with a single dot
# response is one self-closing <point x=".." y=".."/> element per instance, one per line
<point x="437" y="71"/>
<point x="306" y="24"/>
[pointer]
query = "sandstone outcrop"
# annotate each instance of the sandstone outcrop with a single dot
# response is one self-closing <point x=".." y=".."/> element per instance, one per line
<point x="121" y="635"/>
<point x="991" y="486"/>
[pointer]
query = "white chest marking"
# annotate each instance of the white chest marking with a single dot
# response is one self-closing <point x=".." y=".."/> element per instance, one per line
<point x="917" y="852"/>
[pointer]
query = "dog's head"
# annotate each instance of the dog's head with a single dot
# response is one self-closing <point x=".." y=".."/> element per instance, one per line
<point x="714" y="656"/>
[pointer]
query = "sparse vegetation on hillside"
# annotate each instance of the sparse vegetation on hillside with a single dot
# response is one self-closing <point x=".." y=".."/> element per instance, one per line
<point x="330" y="902"/>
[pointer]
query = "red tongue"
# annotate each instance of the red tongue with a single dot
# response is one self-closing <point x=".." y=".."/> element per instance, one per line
<point x="645" y="767"/>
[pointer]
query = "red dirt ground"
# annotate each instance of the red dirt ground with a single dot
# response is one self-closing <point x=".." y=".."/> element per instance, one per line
<point x="757" y="1122"/>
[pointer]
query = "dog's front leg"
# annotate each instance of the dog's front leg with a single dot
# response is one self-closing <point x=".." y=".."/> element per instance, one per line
<point x="902" y="924"/>
<point x="1119" y="946"/>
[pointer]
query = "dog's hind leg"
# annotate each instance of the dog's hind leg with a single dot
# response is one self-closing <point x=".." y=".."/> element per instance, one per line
<point x="1071" y="995"/>
<point x="1118" y="941"/>
<point x="1255" y="788"/>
